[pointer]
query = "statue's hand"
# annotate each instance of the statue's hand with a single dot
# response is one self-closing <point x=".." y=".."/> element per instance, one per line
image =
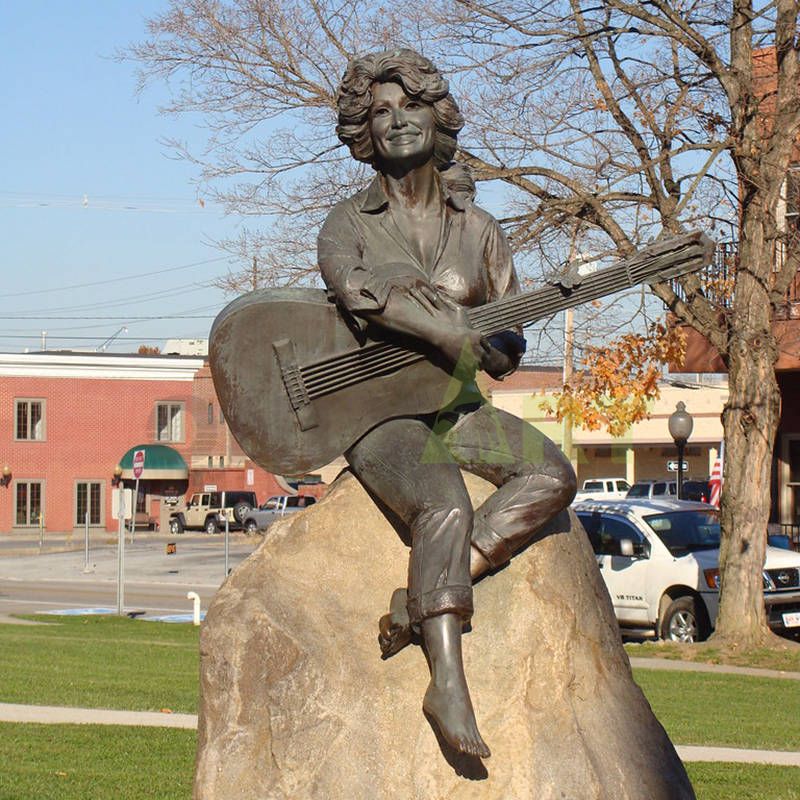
<point x="455" y="338"/>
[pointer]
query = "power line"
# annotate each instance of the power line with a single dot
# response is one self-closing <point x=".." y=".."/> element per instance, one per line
<point x="122" y="319"/>
<point x="135" y="277"/>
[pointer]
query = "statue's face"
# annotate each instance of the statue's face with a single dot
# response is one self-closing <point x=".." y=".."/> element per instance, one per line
<point x="403" y="129"/>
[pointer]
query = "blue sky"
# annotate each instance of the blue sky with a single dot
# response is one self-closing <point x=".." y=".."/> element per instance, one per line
<point x="98" y="221"/>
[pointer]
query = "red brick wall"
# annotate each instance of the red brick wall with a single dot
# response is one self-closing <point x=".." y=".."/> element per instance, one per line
<point x="90" y="424"/>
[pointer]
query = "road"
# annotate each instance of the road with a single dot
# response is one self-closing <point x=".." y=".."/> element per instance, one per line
<point x="156" y="581"/>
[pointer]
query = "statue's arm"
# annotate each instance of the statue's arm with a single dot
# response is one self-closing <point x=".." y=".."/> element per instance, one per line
<point x="507" y="347"/>
<point x="399" y="298"/>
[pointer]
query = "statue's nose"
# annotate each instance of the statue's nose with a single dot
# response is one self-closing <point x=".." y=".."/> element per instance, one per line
<point x="398" y="118"/>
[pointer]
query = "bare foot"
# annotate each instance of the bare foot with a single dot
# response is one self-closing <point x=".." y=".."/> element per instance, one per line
<point x="451" y="708"/>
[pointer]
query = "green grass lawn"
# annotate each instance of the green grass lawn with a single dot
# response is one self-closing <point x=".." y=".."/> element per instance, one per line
<point x="100" y="662"/>
<point x="744" y="781"/>
<point x="724" y="710"/>
<point x="95" y="762"/>
<point x="113" y="662"/>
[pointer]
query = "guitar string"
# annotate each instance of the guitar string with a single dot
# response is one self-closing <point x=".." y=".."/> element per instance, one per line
<point x="592" y="283"/>
<point x="364" y="369"/>
<point x="387" y="356"/>
<point x="407" y="359"/>
<point x="600" y="285"/>
<point x="349" y="355"/>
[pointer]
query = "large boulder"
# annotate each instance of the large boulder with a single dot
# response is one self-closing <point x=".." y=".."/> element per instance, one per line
<point x="297" y="703"/>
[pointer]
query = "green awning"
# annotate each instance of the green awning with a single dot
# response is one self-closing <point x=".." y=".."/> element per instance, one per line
<point x="160" y="461"/>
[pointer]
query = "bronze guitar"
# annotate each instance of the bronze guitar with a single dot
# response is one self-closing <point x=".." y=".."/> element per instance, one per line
<point x="298" y="386"/>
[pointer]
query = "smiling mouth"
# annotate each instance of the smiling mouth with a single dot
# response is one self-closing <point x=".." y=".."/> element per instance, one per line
<point x="401" y="138"/>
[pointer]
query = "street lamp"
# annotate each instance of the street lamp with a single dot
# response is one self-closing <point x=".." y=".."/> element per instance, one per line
<point x="680" y="429"/>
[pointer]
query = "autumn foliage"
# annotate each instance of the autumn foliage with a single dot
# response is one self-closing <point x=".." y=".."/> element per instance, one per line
<point x="618" y="381"/>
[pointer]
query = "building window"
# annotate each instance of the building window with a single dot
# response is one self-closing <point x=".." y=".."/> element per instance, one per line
<point x="222" y="461"/>
<point x="210" y="413"/>
<point x="88" y="499"/>
<point x="29" y="420"/>
<point x="169" y="422"/>
<point x="28" y="505"/>
<point x="211" y="461"/>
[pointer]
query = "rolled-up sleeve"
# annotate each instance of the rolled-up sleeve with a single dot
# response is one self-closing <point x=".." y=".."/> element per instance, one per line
<point x="353" y="284"/>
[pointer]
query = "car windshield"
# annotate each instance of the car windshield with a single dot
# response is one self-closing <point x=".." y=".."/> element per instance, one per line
<point x="639" y="490"/>
<point x="686" y="531"/>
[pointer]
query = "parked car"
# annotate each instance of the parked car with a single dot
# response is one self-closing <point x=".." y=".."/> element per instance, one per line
<point x="602" y="489"/>
<point x="209" y="511"/>
<point x="274" y="508"/>
<point x="690" y="489"/>
<point x="653" y="488"/>
<point x="659" y="559"/>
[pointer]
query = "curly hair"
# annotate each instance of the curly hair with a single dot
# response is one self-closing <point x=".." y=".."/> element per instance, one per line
<point x="419" y="78"/>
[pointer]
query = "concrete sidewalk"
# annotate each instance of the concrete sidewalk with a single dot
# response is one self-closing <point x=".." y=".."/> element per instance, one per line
<point x="57" y="715"/>
<point x="694" y="666"/>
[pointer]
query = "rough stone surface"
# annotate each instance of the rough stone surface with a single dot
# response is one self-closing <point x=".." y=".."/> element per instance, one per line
<point x="296" y="702"/>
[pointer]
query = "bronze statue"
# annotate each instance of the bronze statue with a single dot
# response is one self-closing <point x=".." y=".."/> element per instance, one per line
<point x="422" y="292"/>
<point x="409" y="254"/>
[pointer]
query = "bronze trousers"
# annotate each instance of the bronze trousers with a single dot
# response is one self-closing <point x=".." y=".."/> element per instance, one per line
<point x="413" y="466"/>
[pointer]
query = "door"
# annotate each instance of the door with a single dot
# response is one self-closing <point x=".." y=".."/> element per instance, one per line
<point x="625" y="576"/>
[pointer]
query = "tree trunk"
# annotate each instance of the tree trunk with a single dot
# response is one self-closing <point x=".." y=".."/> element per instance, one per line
<point x="750" y="421"/>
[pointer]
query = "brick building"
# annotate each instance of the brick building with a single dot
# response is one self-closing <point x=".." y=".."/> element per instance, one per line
<point x="69" y="420"/>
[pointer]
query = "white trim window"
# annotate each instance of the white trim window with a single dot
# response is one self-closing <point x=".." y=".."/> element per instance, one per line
<point x="89" y="498"/>
<point x="29" y="420"/>
<point x="28" y="503"/>
<point x="169" y="422"/>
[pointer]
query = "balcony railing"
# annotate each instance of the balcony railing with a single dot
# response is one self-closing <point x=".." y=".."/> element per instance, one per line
<point x="718" y="277"/>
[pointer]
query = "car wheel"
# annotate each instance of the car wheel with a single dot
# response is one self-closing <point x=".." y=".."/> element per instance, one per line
<point x="211" y="525"/>
<point x="682" y="622"/>
<point x="175" y="526"/>
<point x="240" y="511"/>
<point x="250" y="526"/>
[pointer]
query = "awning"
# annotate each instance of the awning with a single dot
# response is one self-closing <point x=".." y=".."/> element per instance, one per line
<point x="160" y="462"/>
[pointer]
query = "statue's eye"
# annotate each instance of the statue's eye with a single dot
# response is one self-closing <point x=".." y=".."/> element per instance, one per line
<point x="380" y="112"/>
<point x="413" y="105"/>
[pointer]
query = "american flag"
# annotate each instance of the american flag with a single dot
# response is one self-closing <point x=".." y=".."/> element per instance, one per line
<point x="715" y="481"/>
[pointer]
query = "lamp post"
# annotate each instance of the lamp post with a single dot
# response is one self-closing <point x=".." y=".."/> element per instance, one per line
<point x="680" y="429"/>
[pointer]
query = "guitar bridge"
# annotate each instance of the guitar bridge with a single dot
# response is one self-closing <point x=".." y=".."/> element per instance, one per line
<point x="295" y="386"/>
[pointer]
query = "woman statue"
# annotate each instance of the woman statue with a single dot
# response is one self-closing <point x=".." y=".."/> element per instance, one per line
<point x="407" y="255"/>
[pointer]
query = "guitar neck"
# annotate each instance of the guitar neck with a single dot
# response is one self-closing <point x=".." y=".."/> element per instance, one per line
<point x="663" y="260"/>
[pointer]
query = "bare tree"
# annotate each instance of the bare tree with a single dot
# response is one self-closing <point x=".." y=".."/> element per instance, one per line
<point x="624" y="118"/>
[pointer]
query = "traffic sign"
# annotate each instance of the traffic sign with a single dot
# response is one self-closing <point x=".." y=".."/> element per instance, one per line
<point x="672" y="466"/>
<point x="138" y="463"/>
<point x="121" y="503"/>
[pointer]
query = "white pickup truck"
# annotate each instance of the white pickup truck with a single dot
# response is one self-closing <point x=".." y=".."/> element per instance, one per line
<point x="659" y="560"/>
<point x="602" y="489"/>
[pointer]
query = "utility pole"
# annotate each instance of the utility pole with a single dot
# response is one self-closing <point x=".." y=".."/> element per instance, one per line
<point x="569" y="345"/>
